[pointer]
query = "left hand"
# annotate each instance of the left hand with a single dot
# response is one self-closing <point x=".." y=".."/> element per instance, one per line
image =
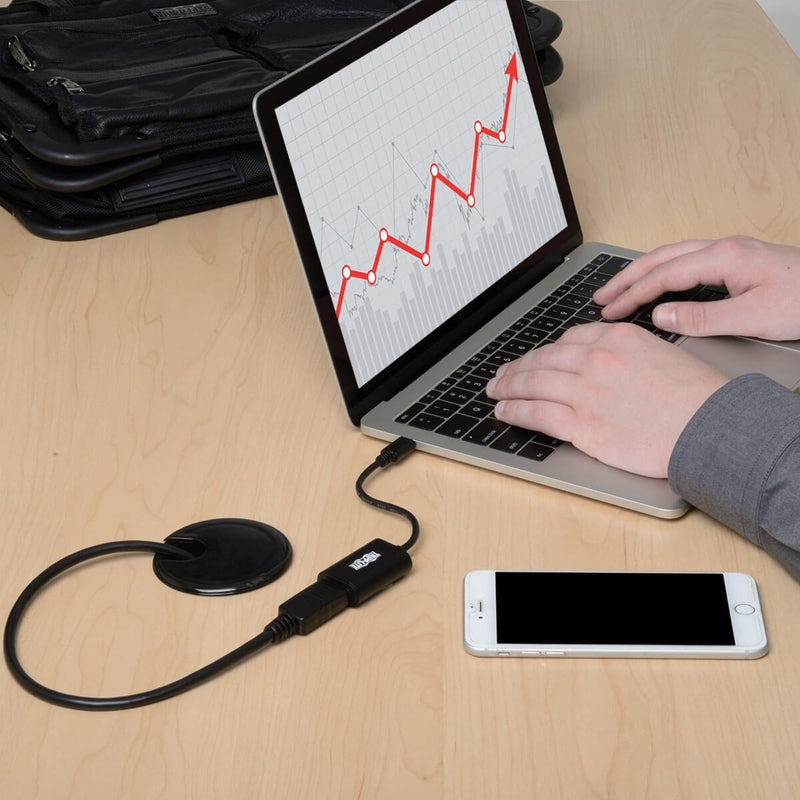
<point x="615" y="391"/>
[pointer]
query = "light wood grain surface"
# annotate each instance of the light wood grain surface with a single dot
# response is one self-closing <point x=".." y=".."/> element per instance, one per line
<point x="154" y="378"/>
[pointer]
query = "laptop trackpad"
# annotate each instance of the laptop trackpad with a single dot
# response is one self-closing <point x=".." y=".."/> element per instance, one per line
<point x="735" y="356"/>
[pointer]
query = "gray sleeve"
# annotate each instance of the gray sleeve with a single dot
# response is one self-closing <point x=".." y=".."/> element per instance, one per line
<point x="739" y="461"/>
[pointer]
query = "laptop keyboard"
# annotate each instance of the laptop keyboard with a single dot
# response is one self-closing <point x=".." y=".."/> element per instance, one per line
<point x="459" y="406"/>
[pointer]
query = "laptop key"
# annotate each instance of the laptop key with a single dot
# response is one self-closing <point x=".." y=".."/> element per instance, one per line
<point x="429" y="397"/>
<point x="545" y="324"/>
<point x="486" y="370"/>
<point x="472" y="383"/>
<point x="459" y="396"/>
<point x="536" y="451"/>
<point x="485" y="432"/>
<point x="531" y="335"/>
<point x="511" y="440"/>
<point x="461" y="371"/>
<point x="428" y="422"/>
<point x="479" y="410"/>
<point x="499" y="358"/>
<point x="535" y="312"/>
<point x="410" y="413"/>
<point x="561" y="311"/>
<point x="573" y="301"/>
<point x="596" y="280"/>
<point x="590" y="313"/>
<point x="518" y="346"/>
<point x="445" y="384"/>
<point x="584" y="290"/>
<point x="612" y="265"/>
<point x="548" y="441"/>
<point x="457" y="426"/>
<point x="442" y="409"/>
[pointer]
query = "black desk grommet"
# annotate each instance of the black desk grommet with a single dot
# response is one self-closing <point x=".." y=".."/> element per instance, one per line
<point x="229" y="556"/>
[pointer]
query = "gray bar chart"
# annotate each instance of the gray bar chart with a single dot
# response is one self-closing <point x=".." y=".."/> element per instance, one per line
<point x="527" y="220"/>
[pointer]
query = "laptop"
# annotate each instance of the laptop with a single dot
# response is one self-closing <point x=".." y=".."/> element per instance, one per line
<point x="424" y="186"/>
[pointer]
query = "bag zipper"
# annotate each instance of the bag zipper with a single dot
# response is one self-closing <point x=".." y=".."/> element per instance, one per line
<point x="19" y="55"/>
<point x="29" y="65"/>
<point x="73" y="87"/>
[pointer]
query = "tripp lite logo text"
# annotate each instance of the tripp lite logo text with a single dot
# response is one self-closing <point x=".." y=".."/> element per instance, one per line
<point x="169" y="13"/>
<point x="365" y="560"/>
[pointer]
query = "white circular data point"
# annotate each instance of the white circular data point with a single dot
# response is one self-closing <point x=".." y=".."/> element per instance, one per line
<point x="434" y="170"/>
<point x="501" y="136"/>
<point x="426" y="259"/>
<point x="371" y="278"/>
<point x="471" y="200"/>
<point x="384" y="234"/>
<point x="478" y="127"/>
<point x="346" y="272"/>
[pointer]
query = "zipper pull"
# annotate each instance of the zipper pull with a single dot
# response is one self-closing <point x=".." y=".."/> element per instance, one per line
<point x="69" y="85"/>
<point x="19" y="55"/>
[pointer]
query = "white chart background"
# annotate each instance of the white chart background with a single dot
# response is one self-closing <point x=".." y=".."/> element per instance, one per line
<point x="362" y="143"/>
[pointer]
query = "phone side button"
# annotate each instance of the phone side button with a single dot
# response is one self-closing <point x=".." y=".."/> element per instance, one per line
<point x="554" y="652"/>
<point x="744" y="608"/>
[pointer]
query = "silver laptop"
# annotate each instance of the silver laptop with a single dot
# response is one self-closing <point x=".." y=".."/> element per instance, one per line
<point x="424" y="186"/>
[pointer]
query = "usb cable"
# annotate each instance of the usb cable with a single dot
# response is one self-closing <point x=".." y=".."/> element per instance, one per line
<point x="345" y="584"/>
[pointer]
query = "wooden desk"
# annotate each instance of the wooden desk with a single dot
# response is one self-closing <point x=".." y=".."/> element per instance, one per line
<point x="151" y="379"/>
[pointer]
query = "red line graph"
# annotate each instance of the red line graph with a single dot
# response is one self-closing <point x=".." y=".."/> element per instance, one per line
<point x="468" y="196"/>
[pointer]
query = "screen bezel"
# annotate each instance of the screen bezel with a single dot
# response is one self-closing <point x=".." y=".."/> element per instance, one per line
<point x="360" y="399"/>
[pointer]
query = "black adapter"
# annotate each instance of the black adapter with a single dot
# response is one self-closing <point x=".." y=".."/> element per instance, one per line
<point x="347" y="583"/>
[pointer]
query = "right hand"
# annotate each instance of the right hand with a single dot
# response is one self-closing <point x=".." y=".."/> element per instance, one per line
<point x="762" y="279"/>
<point x="601" y="387"/>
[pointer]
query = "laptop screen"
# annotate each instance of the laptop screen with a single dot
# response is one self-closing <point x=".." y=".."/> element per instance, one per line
<point x="424" y="176"/>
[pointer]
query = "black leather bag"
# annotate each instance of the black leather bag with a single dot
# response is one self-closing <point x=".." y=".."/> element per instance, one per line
<point x="115" y="114"/>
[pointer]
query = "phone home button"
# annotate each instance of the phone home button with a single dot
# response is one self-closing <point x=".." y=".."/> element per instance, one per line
<point x="744" y="608"/>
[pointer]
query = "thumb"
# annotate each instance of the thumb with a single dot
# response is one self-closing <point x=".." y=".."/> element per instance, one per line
<point x="697" y="319"/>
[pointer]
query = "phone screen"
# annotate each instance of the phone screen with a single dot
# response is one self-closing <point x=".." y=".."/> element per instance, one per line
<point x="613" y="608"/>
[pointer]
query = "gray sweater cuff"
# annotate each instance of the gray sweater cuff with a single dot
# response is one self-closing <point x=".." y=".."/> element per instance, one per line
<point x="739" y="460"/>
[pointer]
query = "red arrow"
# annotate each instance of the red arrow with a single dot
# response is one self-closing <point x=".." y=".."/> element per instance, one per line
<point x="437" y="177"/>
<point x="513" y="75"/>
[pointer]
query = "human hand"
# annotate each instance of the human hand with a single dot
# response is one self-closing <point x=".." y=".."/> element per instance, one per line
<point x="616" y="392"/>
<point x="762" y="279"/>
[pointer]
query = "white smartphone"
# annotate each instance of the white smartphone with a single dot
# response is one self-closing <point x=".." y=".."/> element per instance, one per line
<point x="613" y="614"/>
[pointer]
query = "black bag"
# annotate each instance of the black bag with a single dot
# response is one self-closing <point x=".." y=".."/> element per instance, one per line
<point x="115" y="114"/>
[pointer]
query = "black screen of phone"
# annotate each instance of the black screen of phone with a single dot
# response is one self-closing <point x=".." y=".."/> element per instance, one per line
<point x="612" y="608"/>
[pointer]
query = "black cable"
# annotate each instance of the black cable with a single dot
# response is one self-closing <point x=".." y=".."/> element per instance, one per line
<point x="349" y="582"/>
<point x="109" y="703"/>
<point x="391" y="454"/>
